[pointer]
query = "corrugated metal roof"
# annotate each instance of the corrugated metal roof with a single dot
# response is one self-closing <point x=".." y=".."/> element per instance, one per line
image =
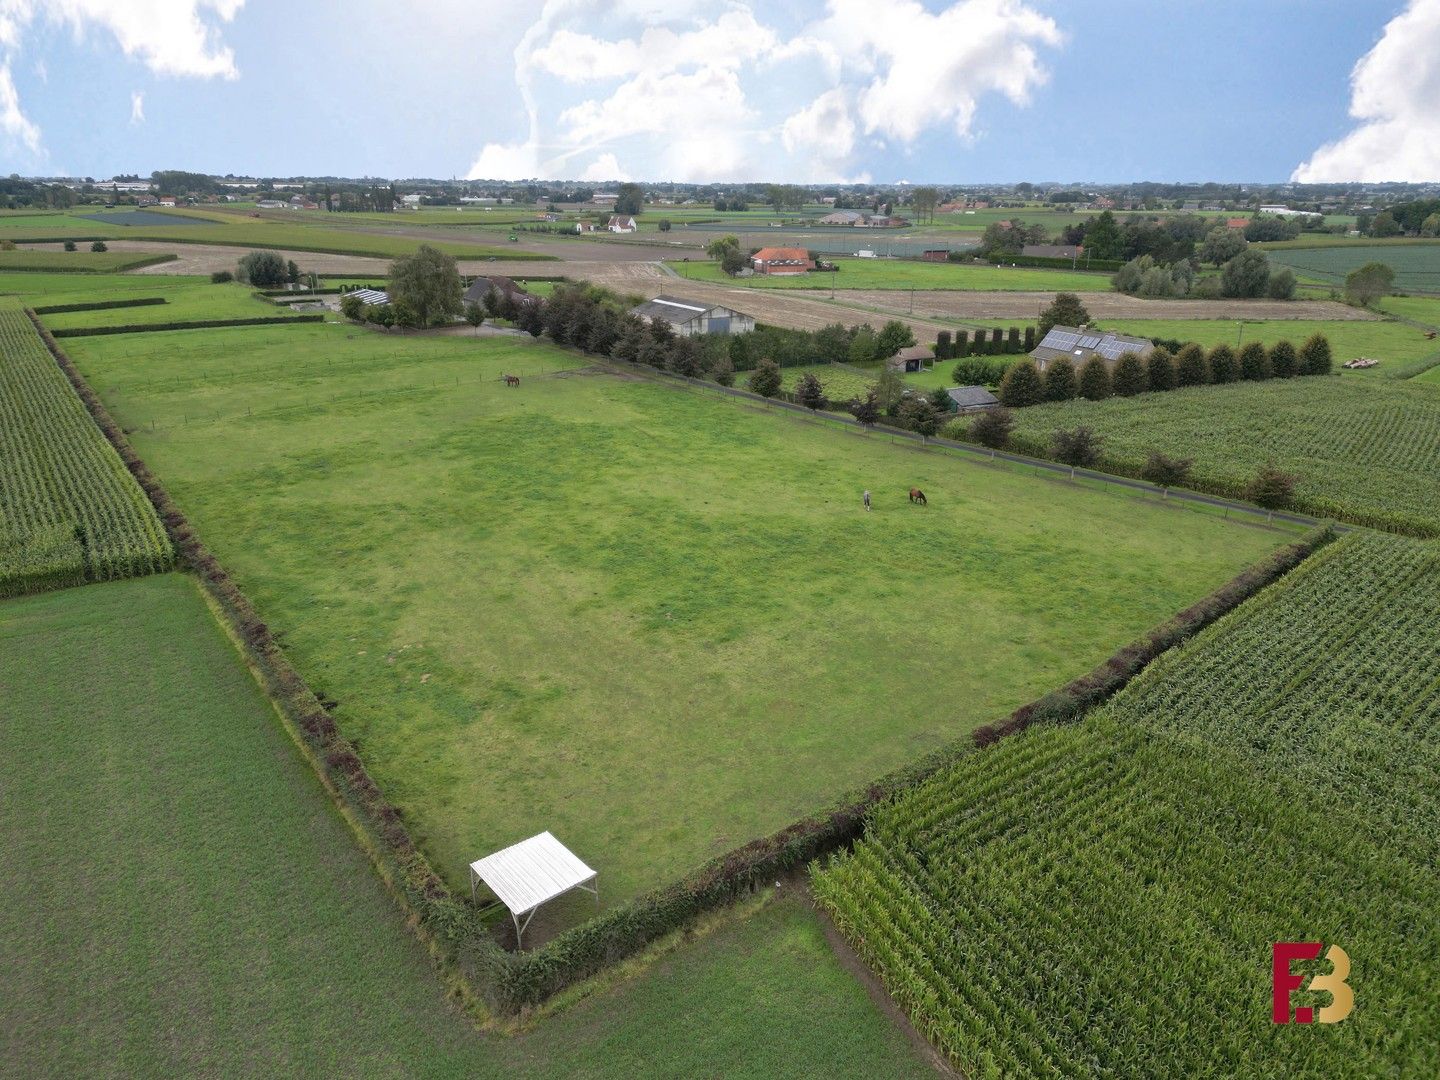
<point x="971" y="396"/>
<point x="527" y="874"/>
<point x="372" y="297"/>
<point x="677" y="309"/>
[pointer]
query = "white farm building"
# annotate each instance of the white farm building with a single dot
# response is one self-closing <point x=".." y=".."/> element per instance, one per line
<point x="691" y="317"/>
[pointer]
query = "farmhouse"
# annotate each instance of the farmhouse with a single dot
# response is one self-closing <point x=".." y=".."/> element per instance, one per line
<point x="167" y="200"/>
<point x="913" y="358"/>
<point x="1236" y="222"/>
<point x="780" y="260"/>
<point x="971" y="399"/>
<point x="691" y="317"/>
<point x="621" y="223"/>
<point x="480" y="288"/>
<point x="1080" y="343"/>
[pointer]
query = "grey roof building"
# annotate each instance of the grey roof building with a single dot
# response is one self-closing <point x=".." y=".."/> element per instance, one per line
<point x="1079" y="343"/>
<point x="911" y="358"/>
<point x="967" y="399"/>
<point x="690" y="317"/>
<point x="481" y="286"/>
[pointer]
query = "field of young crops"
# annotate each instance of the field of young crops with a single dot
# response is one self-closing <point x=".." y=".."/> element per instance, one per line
<point x="1102" y="899"/>
<point x="1366" y="450"/>
<point x="1416" y="266"/>
<point x="69" y="510"/>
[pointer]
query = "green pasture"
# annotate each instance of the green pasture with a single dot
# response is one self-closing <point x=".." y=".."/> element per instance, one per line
<point x="1397" y="346"/>
<point x="1420" y="309"/>
<point x="1416" y="265"/>
<point x="841" y="381"/>
<point x="81" y="262"/>
<point x="857" y="273"/>
<point x="40" y="289"/>
<point x="586" y="604"/>
<point x="12" y="221"/>
<point x="181" y="899"/>
<point x="187" y="298"/>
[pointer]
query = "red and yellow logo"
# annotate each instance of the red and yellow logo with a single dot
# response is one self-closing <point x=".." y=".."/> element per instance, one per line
<point x="1284" y="983"/>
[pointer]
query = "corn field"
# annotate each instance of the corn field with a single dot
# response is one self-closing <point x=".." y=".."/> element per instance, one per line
<point x="1101" y="899"/>
<point x="70" y="512"/>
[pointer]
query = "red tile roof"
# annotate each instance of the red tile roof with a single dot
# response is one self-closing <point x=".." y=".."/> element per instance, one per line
<point x="779" y="254"/>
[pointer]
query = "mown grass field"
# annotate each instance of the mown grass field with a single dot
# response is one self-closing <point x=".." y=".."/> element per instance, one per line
<point x="1397" y="346"/>
<point x="1416" y="265"/>
<point x="187" y="298"/>
<point x="588" y="604"/>
<point x="1152" y="853"/>
<point x="906" y="274"/>
<point x="179" y="897"/>
<point x="76" y="262"/>
<point x="1366" y="451"/>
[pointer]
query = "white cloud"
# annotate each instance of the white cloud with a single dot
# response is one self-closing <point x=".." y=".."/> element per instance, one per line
<point x="684" y="93"/>
<point x="17" y="127"/>
<point x="1395" y="94"/>
<point x="170" y="37"/>
<point x="137" y="107"/>
<point x="603" y="168"/>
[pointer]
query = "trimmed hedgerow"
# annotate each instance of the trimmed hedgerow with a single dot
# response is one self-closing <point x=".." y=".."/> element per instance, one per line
<point x="197" y="324"/>
<point x="100" y="305"/>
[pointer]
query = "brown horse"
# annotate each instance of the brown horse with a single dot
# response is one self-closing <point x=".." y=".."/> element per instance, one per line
<point x="918" y="496"/>
<point x="511" y="380"/>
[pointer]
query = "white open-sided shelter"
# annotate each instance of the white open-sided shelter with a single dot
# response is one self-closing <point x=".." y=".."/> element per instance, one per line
<point x="527" y="874"/>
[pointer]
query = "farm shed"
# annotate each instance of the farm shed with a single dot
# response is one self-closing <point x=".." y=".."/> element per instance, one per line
<point x="621" y="223"/>
<point x="782" y="260"/>
<point x="912" y="359"/>
<point x="841" y="217"/>
<point x="533" y="872"/>
<point x="691" y="317"/>
<point x="1079" y="343"/>
<point x="970" y="399"/>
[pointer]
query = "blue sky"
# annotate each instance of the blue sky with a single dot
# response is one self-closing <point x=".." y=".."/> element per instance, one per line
<point x="883" y="90"/>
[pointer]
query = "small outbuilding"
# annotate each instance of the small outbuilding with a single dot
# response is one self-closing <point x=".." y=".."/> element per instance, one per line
<point x="691" y="317"/>
<point x="913" y="358"/>
<point x="971" y="399"/>
<point x="525" y="875"/>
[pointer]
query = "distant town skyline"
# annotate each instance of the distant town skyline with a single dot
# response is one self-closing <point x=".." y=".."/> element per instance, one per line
<point x="979" y="91"/>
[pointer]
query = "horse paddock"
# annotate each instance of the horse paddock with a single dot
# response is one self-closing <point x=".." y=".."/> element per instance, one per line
<point x="594" y="605"/>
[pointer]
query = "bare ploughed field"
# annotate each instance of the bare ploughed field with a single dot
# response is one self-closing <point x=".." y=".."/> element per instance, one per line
<point x="1103" y="305"/>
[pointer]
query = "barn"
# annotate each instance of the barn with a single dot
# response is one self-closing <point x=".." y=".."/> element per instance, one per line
<point x="691" y="317"/>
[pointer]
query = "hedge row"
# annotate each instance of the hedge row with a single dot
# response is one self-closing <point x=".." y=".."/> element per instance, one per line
<point x="450" y="926"/>
<point x="101" y="305"/>
<point x="196" y="324"/>
<point x="118" y="268"/>
<point x="447" y="925"/>
<point x="1049" y="261"/>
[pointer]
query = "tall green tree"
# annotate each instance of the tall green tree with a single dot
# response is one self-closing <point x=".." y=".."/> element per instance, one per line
<point x="1129" y="376"/>
<point x="1245" y="275"/>
<point x="922" y="417"/>
<point x="1103" y="239"/>
<point x="429" y="283"/>
<point x="1315" y="358"/>
<point x="1190" y="366"/>
<point x="1224" y="368"/>
<point x="1284" y="361"/>
<point x="765" y="380"/>
<point x="1021" y="386"/>
<point x="1061" y="383"/>
<point x="1254" y="362"/>
<point x="475" y="316"/>
<point x="263" y="269"/>
<point x="893" y="337"/>
<point x="1095" y="384"/>
<point x="992" y="428"/>
<point x="1065" y="310"/>
<point x="1272" y="489"/>
<point x="809" y="392"/>
<point x="629" y="199"/>
<point x="1221" y="245"/>
<point x="1160" y="369"/>
<point x="866" y="409"/>
<point x="1366" y="284"/>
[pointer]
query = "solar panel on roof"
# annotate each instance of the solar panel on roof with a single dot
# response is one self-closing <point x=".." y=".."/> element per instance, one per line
<point x="1060" y="339"/>
<point x="1089" y="341"/>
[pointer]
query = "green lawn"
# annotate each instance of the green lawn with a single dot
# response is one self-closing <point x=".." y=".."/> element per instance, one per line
<point x="588" y="604"/>
<point x="75" y="262"/>
<point x="1396" y="345"/>
<point x="187" y="298"/>
<point x="1421" y="309"/>
<point x="841" y="382"/>
<point x="1365" y="450"/>
<point x="907" y="274"/>
<point x="179" y="897"/>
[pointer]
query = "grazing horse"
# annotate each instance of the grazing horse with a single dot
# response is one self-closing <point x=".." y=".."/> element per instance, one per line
<point x="918" y="496"/>
<point x="512" y="380"/>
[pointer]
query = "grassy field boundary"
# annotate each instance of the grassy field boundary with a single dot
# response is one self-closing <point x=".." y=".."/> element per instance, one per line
<point x="100" y="305"/>
<point x="195" y="324"/>
<point x="478" y="971"/>
<point x="359" y="250"/>
<point x="140" y="260"/>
